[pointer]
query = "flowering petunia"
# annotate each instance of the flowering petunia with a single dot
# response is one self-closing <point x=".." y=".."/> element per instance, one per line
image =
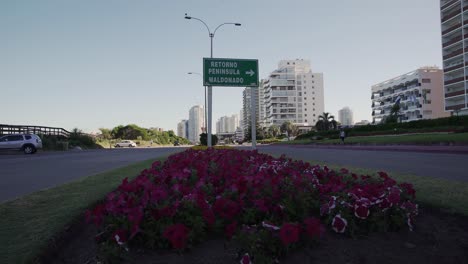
<point x="289" y="233"/>
<point x="361" y="210"/>
<point x="245" y="259"/>
<point x="313" y="227"/>
<point x="177" y="234"/>
<point x="226" y="208"/>
<point x="120" y="236"/>
<point x="339" y="224"/>
<point x="230" y="229"/>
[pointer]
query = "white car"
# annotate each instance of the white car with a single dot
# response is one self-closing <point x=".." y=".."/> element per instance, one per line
<point x="125" y="143"/>
<point x="28" y="143"/>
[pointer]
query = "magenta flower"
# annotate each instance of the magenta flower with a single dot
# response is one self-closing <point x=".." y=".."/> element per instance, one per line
<point x="177" y="234"/>
<point x="289" y="233"/>
<point x="339" y="224"/>
<point x="314" y="228"/>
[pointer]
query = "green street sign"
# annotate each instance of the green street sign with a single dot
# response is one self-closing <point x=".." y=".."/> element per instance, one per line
<point x="230" y="72"/>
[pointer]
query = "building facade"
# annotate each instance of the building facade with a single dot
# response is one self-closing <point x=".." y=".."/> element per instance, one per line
<point x="345" y="116"/>
<point x="419" y="94"/>
<point x="182" y="129"/>
<point x="454" y="26"/>
<point x="196" y="123"/>
<point x="251" y="93"/>
<point x="293" y="93"/>
<point x="227" y="124"/>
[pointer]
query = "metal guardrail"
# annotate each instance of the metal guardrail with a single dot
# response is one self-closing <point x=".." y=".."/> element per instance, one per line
<point x="27" y="129"/>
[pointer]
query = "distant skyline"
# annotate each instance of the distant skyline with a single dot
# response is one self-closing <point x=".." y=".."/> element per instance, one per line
<point x="91" y="64"/>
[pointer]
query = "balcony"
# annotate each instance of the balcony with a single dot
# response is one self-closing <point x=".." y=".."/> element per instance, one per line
<point x="459" y="79"/>
<point x="448" y="4"/>
<point x="452" y="28"/>
<point x="453" y="54"/>
<point x="452" y="41"/>
<point x="451" y="94"/>
<point x="451" y="15"/>
<point x="455" y="107"/>
<point x="455" y="67"/>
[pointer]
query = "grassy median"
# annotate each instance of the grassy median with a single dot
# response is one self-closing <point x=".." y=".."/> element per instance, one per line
<point x="27" y="224"/>
<point x="417" y="139"/>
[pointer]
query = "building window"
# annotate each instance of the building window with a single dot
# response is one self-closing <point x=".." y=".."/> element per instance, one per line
<point x="305" y="109"/>
<point x="305" y="114"/>
<point x="426" y="80"/>
<point x="305" y="92"/>
<point x="306" y="120"/>
<point x="305" y="98"/>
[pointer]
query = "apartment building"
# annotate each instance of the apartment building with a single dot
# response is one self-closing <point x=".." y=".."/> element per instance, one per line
<point x="419" y="94"/>
<point x="227" y="124"/>
<point x="196" y="123"/>
<point x="293" y="93"/>
<point x="182" y="129"/>
<point x="345" y="116"/>
<point x="252" y="93"/>
<point x="454" y="26"/>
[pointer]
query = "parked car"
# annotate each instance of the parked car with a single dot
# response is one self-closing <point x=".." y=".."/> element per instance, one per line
<point x="125" y="143"/>
<point x="28" y="143"/>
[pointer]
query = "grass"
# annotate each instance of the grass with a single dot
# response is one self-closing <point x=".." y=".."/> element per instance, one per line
<point x="417" y="139"/>
<point x="27" y="224"/>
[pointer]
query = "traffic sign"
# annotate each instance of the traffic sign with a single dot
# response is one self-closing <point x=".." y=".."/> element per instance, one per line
<point x="230" y="72"/>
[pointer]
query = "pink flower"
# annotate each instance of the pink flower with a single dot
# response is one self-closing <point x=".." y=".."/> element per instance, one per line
<point x="313" y="227"/>
<point x="289" y="233"/>
<point x="339" y="224"/>
<point x="120" y="236"/>
<point x="230" y="229"/>
<point x="245" y="259"/>
<point x="361" y="210"/>
<point x="227" y="209"/>
<point x="177" y="234"/>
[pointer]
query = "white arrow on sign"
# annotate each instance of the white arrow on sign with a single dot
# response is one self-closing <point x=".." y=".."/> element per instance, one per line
<point x="251" y="72"/>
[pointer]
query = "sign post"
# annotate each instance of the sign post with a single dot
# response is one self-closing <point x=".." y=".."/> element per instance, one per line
<point x="230" y="72"/>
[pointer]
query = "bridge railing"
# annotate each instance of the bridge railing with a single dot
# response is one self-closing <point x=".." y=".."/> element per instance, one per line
<point x="28" y="129"/>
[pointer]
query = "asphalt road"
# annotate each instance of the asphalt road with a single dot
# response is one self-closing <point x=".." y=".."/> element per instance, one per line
<point x="439" y="165"/>
<point x="22" y="174"/>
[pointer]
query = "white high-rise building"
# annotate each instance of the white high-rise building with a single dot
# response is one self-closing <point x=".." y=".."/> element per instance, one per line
<point x="182" y="129"/>
<point x="293" y="93"/>
<point x="247" y="94"/>
<point x="345" y="116"/>
<point x="453" y="17"/>
<point x="227" y="124"/>
<point x="196" y="123"/>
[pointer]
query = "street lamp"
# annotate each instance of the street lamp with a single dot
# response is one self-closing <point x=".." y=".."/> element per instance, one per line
<point x="210" y="88"/>
<point x="196" y="73"/>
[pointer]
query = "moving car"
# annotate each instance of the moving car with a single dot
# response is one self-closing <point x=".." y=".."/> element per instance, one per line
<point x="125" y="143"/>
<point x="28" y="143"/>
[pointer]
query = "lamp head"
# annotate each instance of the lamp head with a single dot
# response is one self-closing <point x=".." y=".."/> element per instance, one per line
<point x="238" y="24"/>
<point x="187" y="17"/>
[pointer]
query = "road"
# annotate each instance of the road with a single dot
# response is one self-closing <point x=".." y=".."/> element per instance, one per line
<point x="22" y="174"/>
<point x="428" y="164"/>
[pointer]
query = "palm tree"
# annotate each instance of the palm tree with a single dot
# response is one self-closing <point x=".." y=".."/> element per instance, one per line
<point x="326" y="122"/>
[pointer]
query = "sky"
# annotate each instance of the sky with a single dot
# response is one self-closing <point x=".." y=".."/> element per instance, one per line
<point x="89" y="64"/>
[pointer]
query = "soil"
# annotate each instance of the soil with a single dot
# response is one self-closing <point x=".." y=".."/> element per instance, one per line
<point x="439" y="237"/>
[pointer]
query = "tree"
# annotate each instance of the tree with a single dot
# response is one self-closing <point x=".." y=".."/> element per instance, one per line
<point x="394" y="114"/>
<point x="204" y="137"/>
<point x="290" y="128"/>
<point x="326" y="122"/>
<point x="105" y="133"/>
<point x="274" y="130"/>
<point x="259" y="134"/>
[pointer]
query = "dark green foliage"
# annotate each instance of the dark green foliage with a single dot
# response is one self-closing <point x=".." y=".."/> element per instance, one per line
<point x="204" y="137"/>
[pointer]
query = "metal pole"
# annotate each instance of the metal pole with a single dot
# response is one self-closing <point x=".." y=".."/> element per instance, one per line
<point x="253" y="108"/>
<point x="210" y="99"/>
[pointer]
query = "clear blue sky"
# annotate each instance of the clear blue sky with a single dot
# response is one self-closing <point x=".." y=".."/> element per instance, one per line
<point x="91" y="64"/>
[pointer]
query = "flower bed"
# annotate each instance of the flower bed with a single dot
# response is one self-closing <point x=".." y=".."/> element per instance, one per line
<point x="267" y="205"/>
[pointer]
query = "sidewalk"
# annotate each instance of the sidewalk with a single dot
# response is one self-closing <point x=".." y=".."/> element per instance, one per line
<point x="456" y="149"/>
